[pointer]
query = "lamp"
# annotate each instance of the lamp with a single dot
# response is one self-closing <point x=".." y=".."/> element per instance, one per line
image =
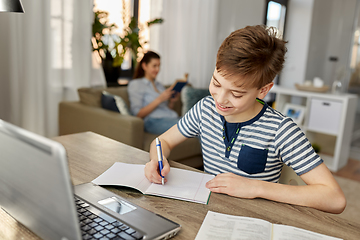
<point x="11" y="6"/>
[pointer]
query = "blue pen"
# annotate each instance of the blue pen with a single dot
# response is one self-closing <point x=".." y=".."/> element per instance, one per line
<point x="160" y="158"/>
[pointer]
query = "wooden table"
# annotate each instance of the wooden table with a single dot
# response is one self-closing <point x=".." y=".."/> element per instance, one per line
<point x="90" y="155"/>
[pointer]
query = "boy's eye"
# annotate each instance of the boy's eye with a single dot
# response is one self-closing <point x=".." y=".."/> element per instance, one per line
<point x="237" y="96"/>
<point x="216" y="84"/>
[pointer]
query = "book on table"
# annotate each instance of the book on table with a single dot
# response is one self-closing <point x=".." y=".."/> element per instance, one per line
<point x="224" y="226"/>
<point x="181" y="184"/>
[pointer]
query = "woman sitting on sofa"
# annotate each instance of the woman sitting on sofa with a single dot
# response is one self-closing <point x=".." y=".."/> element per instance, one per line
<point x="149" y="99"/>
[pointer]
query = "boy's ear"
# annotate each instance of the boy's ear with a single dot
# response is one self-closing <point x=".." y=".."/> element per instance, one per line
<point x="265" y="89"/>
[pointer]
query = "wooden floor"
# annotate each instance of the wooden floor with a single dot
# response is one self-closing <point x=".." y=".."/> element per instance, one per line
<point x="350" y="171"/>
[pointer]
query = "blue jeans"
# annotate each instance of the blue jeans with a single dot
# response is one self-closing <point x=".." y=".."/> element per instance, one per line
<point x="159" y="125"/>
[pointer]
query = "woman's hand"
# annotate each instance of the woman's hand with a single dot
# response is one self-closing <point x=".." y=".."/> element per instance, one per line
<point x="233" y="185"/>
<point x="165" y="95"/>
<point x="152" y="170"/>
<point x="175" y="97"/>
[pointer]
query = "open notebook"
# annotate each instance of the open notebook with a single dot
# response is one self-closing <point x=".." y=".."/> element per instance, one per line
<point x="181" y="184"/>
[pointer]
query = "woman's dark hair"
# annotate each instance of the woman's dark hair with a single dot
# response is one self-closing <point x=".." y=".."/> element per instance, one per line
<point x="139" y="71"/>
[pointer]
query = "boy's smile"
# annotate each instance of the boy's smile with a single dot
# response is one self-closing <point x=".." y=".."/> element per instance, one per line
<point x="222" y="108"/>
<point x="236" y="103"/>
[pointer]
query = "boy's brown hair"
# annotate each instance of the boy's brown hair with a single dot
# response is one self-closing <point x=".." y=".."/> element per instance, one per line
<point x="254" y="53"/>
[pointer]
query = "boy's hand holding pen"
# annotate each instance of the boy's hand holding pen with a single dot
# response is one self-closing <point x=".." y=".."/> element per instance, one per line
<point x="158" y="167"/>
<point x="160" y="159"/>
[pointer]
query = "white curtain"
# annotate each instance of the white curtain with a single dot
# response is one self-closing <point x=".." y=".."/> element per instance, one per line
<point x="49" y="58"/>
<point x="186" y="40"/>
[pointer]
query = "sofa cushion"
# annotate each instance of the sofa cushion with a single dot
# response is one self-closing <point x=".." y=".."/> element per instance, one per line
<point x="90" y="96"/>
<point x="121" y="92"/>
<point x="190" y="96"/>
<point x="108" y="102"/>
<point x="114" y="103"/>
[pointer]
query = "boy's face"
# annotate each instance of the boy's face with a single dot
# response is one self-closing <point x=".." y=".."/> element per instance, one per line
<point x="236" y="104"/>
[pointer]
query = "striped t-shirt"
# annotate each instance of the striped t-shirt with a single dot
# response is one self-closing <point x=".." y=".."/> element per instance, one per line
<point x="257" y="148"/>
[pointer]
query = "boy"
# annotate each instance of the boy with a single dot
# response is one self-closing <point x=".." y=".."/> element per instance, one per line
<point x="244" y="141"/>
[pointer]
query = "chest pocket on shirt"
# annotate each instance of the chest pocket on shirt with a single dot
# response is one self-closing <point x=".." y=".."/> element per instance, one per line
<point x="252" y="160"/>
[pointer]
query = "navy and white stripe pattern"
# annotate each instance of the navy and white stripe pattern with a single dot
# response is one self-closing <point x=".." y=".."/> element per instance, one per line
<point x="270" y="132"/>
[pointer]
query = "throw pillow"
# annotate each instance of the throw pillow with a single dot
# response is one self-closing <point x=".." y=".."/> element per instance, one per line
<point x="190" y="96"/>
<point x="114" y="103"/>
<point x="90" y="96"/>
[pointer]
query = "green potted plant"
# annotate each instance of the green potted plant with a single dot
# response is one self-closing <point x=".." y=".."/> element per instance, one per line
<point x="112" y="47"/>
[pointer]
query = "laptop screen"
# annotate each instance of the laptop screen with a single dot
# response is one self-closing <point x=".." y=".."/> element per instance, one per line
<point x="35" y="186"/>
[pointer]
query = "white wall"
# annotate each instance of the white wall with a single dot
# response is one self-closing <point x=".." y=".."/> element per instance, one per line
<point x="297" y="33"/>
<point x="339" y="38"/>
<point x="236" y="14"/>
<point x="331" y="36"/>
<point x="4" y="67"/>
<point x="320" y="31"/>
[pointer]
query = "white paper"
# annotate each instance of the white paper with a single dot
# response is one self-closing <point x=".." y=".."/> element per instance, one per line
<point x="181" y="184"/>
<point x="218" y="226"/>
<point x="283" y="232"/>
<point x="128" y="175"/>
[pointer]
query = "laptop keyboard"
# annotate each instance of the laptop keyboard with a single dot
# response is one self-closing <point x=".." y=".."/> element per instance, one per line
<point x="103" y="226"/>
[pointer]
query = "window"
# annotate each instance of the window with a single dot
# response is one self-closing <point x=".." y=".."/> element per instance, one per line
<point x="62" y="26"/>
<point x="120" y="13"/>
<point x="275" y="15"/>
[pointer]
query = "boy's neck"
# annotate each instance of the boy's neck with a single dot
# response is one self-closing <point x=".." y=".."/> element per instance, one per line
<point x="247" y="115"/>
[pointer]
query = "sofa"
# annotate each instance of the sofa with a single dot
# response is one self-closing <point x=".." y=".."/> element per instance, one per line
<point x="88" y="114"/>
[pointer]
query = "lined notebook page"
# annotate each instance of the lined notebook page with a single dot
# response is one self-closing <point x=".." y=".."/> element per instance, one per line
<point x="181" y="184"/>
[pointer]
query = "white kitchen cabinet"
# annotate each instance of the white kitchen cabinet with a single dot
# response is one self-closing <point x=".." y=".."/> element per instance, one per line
<point x="328" y="121"/>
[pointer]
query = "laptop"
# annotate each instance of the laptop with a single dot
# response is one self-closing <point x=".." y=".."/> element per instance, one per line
<point x="36" y="190"/>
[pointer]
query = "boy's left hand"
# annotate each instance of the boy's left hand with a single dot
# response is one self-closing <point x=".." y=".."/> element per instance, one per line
<point x="233" y="185"/>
